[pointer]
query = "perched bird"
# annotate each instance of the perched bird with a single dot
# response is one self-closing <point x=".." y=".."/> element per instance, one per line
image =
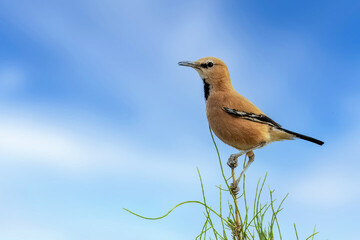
<point x="233" y="118"/>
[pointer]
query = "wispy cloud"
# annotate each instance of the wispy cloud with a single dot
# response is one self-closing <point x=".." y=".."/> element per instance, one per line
<point x="38" y="143"/>
<point x="327" y="188"/>
<point x="41" y="142"/>
<point x="28" y="230"/>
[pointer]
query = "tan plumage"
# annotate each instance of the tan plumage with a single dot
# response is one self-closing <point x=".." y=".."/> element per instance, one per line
<point x="232" y="117"/>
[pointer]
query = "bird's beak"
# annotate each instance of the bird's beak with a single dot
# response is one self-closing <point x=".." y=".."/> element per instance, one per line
<point x="187" y="64"/>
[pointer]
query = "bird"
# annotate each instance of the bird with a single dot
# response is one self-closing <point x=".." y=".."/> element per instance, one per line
<point x="234" y="119"/>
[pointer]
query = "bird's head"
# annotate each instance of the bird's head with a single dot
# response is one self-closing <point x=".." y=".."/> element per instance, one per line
<point x="212" y="71"/>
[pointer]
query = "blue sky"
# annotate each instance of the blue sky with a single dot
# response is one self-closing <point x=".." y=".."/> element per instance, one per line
<point x="96" y="115"/>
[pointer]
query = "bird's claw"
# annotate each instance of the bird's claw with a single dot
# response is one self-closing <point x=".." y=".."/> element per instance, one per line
<point x="234" y="188"/>
<point x="233" y="161"/>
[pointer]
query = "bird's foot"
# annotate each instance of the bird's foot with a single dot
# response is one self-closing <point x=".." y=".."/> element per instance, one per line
<point x="233" y="161"/>
<point x="234" y="188"/>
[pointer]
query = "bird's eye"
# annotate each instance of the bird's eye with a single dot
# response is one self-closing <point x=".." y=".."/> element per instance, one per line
<point x="210" y="64"/>
<point x="203" y="65"/>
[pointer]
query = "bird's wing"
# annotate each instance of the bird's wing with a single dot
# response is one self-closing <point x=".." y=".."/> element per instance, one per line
<point x="260" y="118"/>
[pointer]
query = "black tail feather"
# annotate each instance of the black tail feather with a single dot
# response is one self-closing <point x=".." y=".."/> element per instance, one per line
<point x="307" y="138"/>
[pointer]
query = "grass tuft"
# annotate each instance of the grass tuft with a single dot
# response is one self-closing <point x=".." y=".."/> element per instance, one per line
<point x="261" y="223"/>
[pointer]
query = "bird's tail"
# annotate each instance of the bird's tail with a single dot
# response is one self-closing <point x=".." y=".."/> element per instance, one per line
<point x="307" y="138"/>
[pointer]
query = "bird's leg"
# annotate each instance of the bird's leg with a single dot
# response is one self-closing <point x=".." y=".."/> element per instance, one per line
<point x="251" y="156"/>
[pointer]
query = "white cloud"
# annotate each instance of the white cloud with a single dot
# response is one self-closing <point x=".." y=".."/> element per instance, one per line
<point x="26" y="140"/>
<point x="21" y="230"/>
<point x="327" y="188"/>
<point x="41" y="142"/>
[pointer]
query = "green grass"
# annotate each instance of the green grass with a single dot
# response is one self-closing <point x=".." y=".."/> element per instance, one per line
<point x="261" y="223"/>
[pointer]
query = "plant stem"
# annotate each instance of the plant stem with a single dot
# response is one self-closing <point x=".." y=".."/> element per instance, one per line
<point x="234" y="185"/>
<point x="236" y="231"/>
